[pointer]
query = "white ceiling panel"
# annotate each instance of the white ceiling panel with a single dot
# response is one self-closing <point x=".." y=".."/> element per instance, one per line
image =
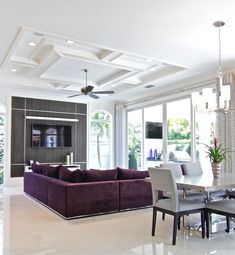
<point x="124" y="44"/>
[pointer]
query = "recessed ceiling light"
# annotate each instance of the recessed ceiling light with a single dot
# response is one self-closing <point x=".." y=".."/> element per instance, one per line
<point x="38" y="34"/>
<point x="149" y="86"/>
<point x="32" y="44"/>
<point x="13" y="70"/>
<point x="70" y="41"/>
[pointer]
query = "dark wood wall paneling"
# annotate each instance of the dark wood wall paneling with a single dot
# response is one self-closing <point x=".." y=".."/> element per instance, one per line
<point x="21" y="147"/>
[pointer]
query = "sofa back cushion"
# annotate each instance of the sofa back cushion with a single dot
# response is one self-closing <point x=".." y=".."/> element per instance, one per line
<point x="38" y="168"/>
<point x="126" y="174"/>
<point x="51" y="171"/>
<point x="70" y="176"/>
<point x="95" y="175"/>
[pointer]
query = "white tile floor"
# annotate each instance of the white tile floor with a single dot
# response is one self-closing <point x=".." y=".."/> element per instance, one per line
<point x="29" y="228"/>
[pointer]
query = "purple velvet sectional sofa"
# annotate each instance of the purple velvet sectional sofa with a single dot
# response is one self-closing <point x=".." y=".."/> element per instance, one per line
<point x="87" y="192"/>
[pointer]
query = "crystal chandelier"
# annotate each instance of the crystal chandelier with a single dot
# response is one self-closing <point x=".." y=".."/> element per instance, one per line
<point x="204" y="101"/>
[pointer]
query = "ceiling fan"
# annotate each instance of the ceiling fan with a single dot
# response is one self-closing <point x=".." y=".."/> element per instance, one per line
<point x="88" y="90"/>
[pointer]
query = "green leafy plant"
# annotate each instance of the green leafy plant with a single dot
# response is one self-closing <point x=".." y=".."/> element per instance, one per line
<point x="215" y="152"/>
<point x="101" y="129"/>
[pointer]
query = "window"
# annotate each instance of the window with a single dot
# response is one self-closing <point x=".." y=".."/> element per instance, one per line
<point x="179" y="130"/>
<point x="165" y="132"/>
<point x="101" y="140"/>
<point x="134" y="120"/>
<point x="205" y="130"/>
<point x="153" y="135"/>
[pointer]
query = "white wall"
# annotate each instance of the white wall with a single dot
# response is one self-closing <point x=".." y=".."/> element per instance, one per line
<point x="8" y="181"/>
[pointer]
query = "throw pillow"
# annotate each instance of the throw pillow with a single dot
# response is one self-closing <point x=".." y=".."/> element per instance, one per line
<point x="78" y="175"/>
<point x="51" y="171"/>
<point x="94" y="175"/>
<point x="126" y="174"/>
<point x="65" y="174"/>
<point x="38" y="168"/>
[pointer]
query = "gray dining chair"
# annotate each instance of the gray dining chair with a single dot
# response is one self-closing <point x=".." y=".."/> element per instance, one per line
<point x="178" y="172"/>
<point x="224" y="207"/>
<point x="176" y="168"/>
<point x="162" y="179"/>
<point x="195" y="169"/>
<point x="192" y="169"/>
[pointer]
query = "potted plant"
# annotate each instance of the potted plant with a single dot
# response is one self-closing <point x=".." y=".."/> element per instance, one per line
<point x="216" y="154"/>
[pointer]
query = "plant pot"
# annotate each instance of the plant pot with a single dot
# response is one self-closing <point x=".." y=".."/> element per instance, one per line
<point x="216" y="169"/>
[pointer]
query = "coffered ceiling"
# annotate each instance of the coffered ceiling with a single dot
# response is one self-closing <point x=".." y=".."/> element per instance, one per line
<point x="59" y="63"/>
<point x="135" y="48"/>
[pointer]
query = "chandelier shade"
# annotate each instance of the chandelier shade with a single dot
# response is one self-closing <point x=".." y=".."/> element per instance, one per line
<point x="204" y="101"/>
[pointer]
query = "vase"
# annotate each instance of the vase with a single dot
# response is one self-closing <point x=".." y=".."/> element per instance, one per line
<point x="216" y="169"/>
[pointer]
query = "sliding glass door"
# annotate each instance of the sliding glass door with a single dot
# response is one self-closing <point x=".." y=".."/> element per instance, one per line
<point x="153" y="138"/>
<point x="179" y="130"/>
<point x="135" y="135"/>
<point x="168" y="132"/>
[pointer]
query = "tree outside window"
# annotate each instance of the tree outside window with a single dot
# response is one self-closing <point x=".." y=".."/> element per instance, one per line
<point x="179" y="130"/>
<point x="134" y="120"/>
<point x="100" y="139"/>
<point x="134" y="145"/>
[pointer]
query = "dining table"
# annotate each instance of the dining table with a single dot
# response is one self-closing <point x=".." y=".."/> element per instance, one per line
<point x="205" y="183"/>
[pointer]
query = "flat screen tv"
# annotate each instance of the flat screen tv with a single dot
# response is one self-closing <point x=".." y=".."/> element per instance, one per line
<point x="153" y="130"/>
<point x="51" y="136"/>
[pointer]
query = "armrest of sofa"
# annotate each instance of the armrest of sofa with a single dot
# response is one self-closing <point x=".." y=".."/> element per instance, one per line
<point x="36" y="186"/>
<point x="135" y="193"/>
<point x="77" y="199"/>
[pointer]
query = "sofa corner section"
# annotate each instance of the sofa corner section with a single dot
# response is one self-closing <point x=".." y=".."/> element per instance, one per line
<point x="134" y="193"/>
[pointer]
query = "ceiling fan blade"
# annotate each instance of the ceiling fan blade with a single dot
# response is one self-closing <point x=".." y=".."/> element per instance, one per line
<point x="103" y="92"/>
<point x="93" y="96"/>
<point x="76" y="95"/>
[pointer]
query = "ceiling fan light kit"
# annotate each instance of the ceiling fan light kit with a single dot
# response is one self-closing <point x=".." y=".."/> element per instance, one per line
<point x="88" y="90"/>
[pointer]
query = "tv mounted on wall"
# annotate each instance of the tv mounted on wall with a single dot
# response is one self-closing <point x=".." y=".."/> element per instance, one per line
<point x="153" y="130"/>
<point x="51" y="136"/>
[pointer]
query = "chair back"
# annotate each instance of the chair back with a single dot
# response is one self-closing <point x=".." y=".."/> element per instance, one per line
<point x="162" y="179"/>
<point x="192" y="169"/>
<point x="176" y="168"/>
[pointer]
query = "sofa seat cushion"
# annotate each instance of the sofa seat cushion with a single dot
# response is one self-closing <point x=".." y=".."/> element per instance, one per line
<point x="127" y="174"/>
<point x="70" y="176"/>
<point x="94" y="175"/>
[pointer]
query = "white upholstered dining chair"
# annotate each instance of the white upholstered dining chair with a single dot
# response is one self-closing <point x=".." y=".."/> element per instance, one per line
<point x="178" y="172"/>
<point x="195" y="169"/>
<point x="176" y="168"/>
<point x="192" y="169"/>
<point x="162" y="179"/>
